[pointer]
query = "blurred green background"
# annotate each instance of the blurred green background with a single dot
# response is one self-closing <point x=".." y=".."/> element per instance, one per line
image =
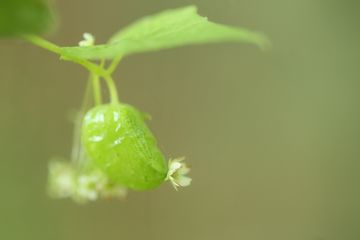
<point x="273" y="137"/>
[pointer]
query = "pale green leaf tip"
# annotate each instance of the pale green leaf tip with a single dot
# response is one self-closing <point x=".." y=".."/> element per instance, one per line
<point x="259" y="39"/>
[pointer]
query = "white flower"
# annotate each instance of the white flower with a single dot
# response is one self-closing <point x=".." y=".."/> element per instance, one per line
<point x="95" y="185"/>
<point x="66" y="181"/>
<point x="177" y="173"/>
<point x="86" y="188"/>
<point x="89" y="40"/>
<point x="61" y="179"/>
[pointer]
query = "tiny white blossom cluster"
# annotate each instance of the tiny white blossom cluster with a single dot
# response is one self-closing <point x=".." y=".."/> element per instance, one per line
<point x="177" y="173"/>
<point x="64" y="182"/>
<point x="89" y="40"/>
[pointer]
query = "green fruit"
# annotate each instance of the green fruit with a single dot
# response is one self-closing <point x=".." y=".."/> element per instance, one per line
<point x="118" y="142"/>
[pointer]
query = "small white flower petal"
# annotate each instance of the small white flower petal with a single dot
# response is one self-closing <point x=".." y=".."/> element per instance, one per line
<point x="174" y="166"/>
<point x="89" y="40"/>
<point x="184" y="181"/>
<point x="174" y="183"/>
<point x="184" y="170"/>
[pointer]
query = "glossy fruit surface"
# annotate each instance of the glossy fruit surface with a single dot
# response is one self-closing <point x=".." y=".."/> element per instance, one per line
<point x="118" y="141"/>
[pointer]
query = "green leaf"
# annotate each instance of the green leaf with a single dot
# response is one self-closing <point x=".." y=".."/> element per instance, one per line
<point x="171" y="28"/>
<point x="19" y="17"/>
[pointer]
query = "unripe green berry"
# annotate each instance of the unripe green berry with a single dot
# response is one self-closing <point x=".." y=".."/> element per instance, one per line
<point x="118" y="142"/>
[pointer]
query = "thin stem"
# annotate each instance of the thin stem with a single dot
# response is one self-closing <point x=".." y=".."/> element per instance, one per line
<point x="112" y="90"/>
<point x="76" y="153"/>
<point x="102" y="63"/>
<point x="96" y="70"/>
<point x="113" y="65"/>
<point x="97" y="89"/>
<point x="88" y="65"/>
<point x="40" y="42"/>
<point x="75" y="150"/>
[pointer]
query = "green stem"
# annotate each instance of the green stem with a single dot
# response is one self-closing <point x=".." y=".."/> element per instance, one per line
<point x="76" y="154"/>
<point x="112" y="90"/>
<point x="96" y="70"/>
<point x="113" y="65"/>
<point x="96" y="88"/>
<point x="40" y="42"/>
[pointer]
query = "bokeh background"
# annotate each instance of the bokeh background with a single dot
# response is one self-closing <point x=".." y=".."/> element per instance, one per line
<point x="273" y="137"/>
